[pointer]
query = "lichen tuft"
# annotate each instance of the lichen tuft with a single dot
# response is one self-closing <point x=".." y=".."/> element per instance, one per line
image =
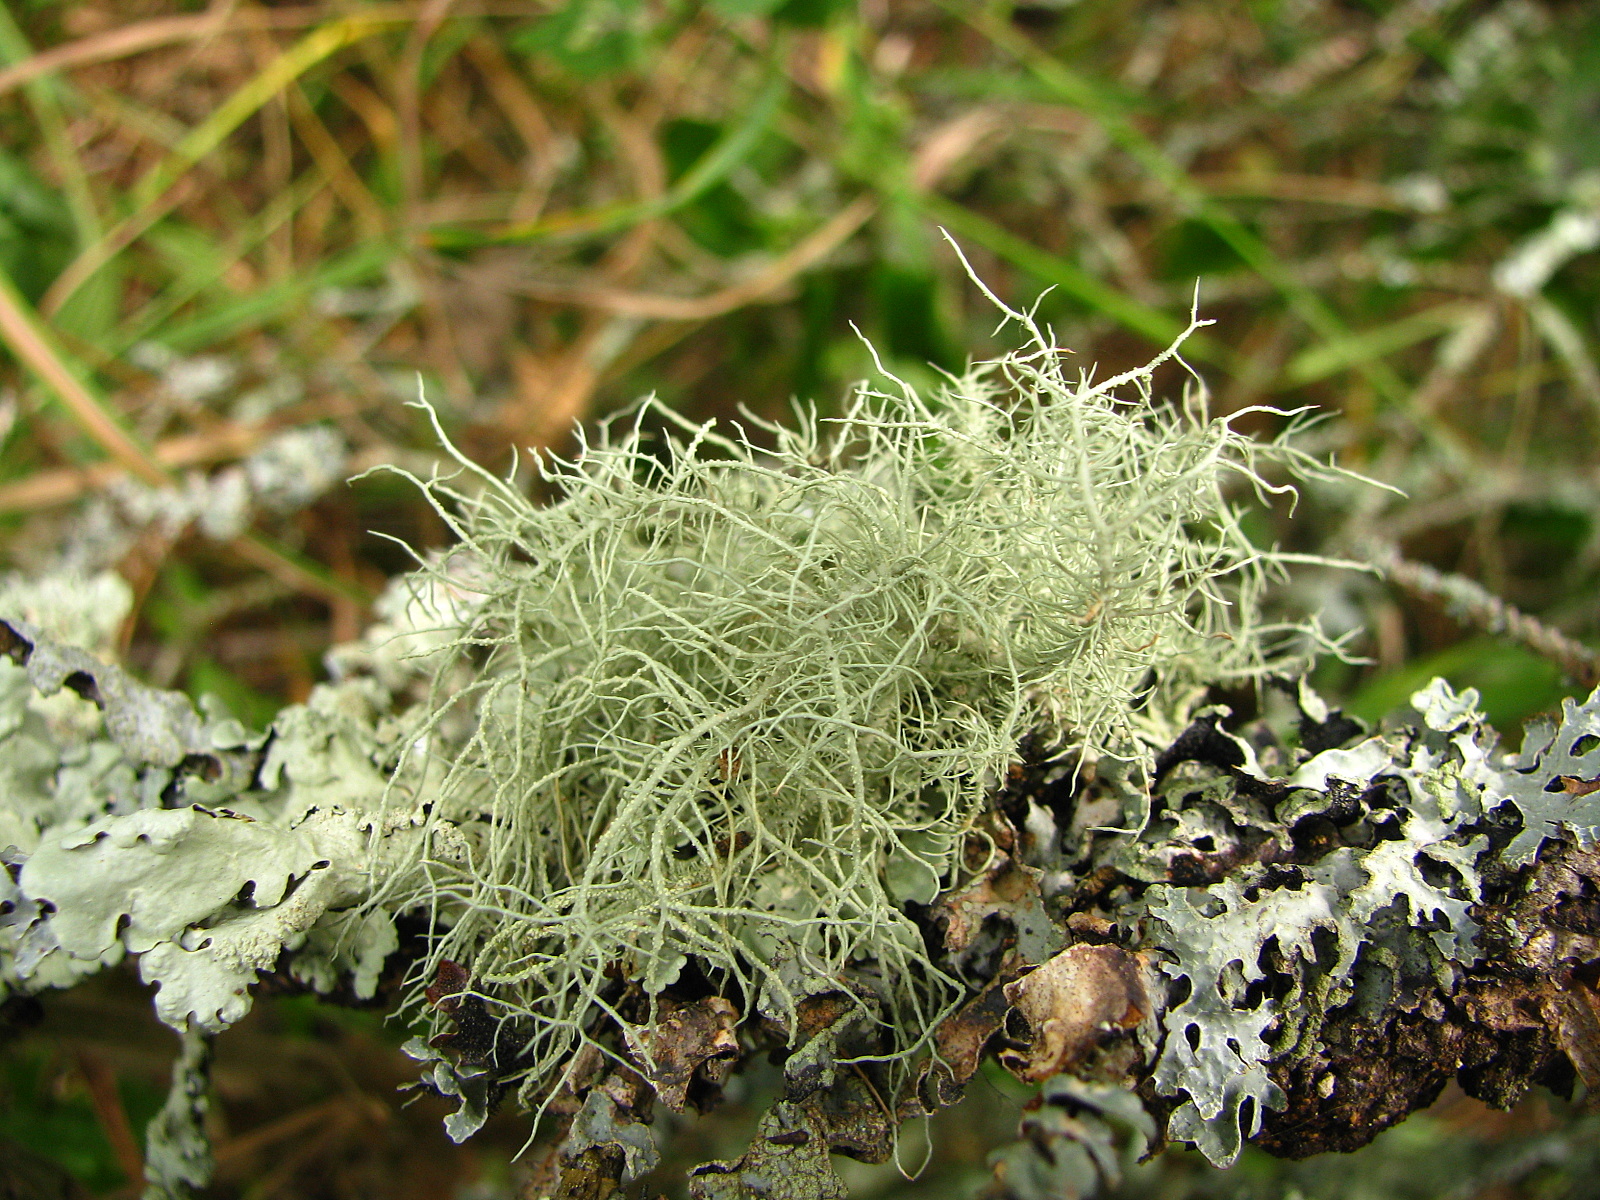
<point x="739" y="705"/>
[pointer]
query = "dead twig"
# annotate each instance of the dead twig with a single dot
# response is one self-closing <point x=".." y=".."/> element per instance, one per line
<point x="1474" y="604"/>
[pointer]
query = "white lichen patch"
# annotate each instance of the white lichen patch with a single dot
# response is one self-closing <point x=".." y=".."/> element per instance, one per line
<point x="78" y="608"/>
<point x="720" y="688"/>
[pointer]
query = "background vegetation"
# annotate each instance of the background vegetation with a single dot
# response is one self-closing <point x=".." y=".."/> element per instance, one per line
<point x="234" y="239"/>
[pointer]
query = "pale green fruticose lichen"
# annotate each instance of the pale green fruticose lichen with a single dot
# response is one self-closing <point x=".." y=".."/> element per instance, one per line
<point x="738" y="705"/>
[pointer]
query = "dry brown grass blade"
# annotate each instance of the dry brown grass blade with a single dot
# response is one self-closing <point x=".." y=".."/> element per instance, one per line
<point x="123" y="42"/>
<point x="32" y="343"/>
<point x="408" y="104"/>
<point x="510" y="93"/>
<point x="221" y="19"/>
<point x="153" y="190"/>
<point x="45" y="489"/>
<point x="525" y="115"/>
<point x="101" y="1081"/>
<point x="952" y="141"/>
<point x="372" y="109"/>
<point x="939" y="152"/>
<point x="221" y="442"/>
<point x="331" y="160"/>
<point x="806" y="254"/>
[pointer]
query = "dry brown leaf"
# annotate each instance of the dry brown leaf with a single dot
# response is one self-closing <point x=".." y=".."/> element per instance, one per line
<point x="960" y="1040"/>
<point x="1071" y="1004"/>
<point x="686" y="1039"/>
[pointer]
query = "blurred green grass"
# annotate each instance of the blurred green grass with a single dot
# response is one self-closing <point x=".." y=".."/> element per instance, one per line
<point x="45" y="1108"/>
<point x="231" y="223"/>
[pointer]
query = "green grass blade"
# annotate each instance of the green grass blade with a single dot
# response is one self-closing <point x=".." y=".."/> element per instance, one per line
<point x="362" y="263"/>
<point x="45" y="100"/>
<point x="712" y="167"/>
<point x="146" y="195"/>
<point x="152" y="317"/>
<point x="1070" y="279"/>
<point x="1080" y="91"/>
<point x="1368" y="345"/>
<point x="247" y="101"/>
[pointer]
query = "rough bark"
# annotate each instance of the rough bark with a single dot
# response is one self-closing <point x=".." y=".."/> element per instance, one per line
<point x="1350" y="1047"/>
